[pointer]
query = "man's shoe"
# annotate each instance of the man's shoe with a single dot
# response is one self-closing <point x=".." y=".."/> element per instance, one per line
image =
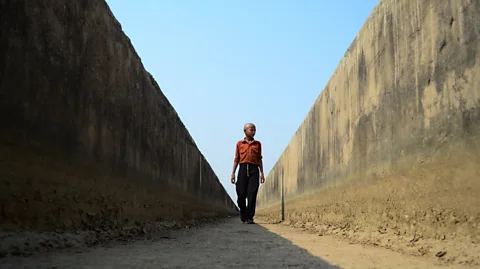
<point x="250" y="221"/>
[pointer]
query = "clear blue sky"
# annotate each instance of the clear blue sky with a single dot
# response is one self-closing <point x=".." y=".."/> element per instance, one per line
<point x="224" y="63"/>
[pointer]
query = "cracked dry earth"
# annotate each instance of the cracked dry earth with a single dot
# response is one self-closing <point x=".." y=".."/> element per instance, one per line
<point x="228" y="244"/>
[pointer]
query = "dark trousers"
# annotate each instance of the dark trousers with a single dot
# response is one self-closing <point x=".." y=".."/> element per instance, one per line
<point x="247" y="188"/>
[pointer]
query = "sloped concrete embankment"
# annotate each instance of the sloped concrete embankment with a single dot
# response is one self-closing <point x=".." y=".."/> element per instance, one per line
<point x="88" y="139"/>
<point x="389" y="153"/>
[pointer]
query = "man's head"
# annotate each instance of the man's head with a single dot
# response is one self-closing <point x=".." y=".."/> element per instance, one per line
<point x="249" y="129"/>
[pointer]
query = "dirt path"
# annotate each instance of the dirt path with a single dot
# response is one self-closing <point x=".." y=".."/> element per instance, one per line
<point x="347" y="255"/>
<point x="220" y="246"/>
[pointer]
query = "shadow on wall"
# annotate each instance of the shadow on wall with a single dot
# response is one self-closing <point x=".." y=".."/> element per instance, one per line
<point x="88" y="139"/>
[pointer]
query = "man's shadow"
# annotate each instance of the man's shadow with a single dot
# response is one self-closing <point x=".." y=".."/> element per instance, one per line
<point x="273" y="250"/>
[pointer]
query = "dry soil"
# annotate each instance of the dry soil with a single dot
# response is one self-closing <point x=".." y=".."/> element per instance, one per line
<point x="227" y="244"/>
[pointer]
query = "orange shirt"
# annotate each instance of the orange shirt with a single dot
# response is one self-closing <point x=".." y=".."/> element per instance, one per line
<point x="248" y="152"/>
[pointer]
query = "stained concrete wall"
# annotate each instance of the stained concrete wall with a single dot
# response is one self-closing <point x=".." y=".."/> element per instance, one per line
<point x="87" y="136"/>
<point x="392" y="142"/>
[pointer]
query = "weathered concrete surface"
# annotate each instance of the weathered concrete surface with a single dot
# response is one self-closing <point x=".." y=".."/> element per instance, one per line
<point x="88" y="139"/>
<point x="389" y="152"/>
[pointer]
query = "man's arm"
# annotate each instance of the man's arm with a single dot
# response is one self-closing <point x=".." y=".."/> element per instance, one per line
<point x="236" y="160"/>
<point x="260" y="156"/>
<point x="235" y="164"/>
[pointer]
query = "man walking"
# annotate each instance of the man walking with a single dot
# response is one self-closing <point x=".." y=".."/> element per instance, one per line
<point x="248" y="154"/>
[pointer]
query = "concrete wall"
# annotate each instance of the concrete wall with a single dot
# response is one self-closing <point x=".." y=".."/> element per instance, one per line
<point x="87" y="135"/>
<point x="392" y="144"/>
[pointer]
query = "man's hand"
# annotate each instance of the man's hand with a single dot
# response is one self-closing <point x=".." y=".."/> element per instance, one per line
<point x="233" y="179"/>
<point x="262" y="178"/>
